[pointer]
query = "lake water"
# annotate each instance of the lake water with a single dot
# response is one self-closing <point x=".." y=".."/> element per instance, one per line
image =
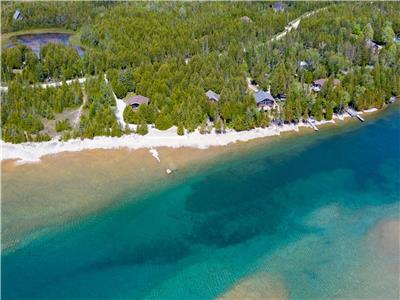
<point x="304" y="211"/>
<point x="37" y="41"/>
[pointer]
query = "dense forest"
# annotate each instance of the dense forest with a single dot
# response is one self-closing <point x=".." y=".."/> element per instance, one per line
<point x="57" y="62"/>
<point x="23" y="109"/>
<point x="173" y="52"/>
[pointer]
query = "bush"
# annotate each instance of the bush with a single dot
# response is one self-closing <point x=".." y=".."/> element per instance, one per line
<point x="163" y="122"/>
<point x="66" y="136"/>
<point x="62" y="125"/>
<point x="42" y="138"/>
<point x="142" y="129"/>
<point x="180" y="130"/>
<point x="130" y="116"/>
<point x="218" y="125"/>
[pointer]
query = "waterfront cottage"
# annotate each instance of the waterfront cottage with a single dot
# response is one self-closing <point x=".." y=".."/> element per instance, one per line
<point x="264" y="100"/>
<point x="17" y="15"/>
<point x="212" y="96"/>
<point x="136" y="101"/>
<point x="318" y="84"/>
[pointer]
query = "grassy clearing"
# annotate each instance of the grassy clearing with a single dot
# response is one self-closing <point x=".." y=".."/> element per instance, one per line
<point x="50" y="125"/>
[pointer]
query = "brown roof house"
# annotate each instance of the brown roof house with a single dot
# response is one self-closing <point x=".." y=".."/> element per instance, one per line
<point x="136" y="101"/>
<point x="318" y="84"/>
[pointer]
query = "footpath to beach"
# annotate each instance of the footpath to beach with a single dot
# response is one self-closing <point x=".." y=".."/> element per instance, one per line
<point x="33" y="151"/>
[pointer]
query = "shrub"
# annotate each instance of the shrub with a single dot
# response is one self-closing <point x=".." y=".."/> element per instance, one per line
<point x="180" y="130"/>
<point x="62" y="125"/>
<point x="163" y="122"/>
<point x="142" y="129"/>
<point x="130" y="116"/>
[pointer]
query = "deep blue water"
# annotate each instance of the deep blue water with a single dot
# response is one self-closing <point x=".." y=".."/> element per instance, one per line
<point x="37" y="41"/>
<point x="298" y="209"/>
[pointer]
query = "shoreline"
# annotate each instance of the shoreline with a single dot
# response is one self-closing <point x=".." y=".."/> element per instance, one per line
<point x="32" y="152"/>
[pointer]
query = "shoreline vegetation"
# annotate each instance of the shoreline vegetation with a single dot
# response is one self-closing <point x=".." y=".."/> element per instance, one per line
<point x="234" y="80"/>
<point x="33" y="151"/>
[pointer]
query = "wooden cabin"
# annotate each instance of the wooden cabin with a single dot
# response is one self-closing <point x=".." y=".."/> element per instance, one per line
<point x="136" y="101"/>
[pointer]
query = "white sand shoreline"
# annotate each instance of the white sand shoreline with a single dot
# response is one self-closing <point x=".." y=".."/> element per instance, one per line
<point x="33" y="151"/>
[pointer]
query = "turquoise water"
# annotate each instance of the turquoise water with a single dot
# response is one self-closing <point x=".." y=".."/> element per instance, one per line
<point x="299" y="209"/>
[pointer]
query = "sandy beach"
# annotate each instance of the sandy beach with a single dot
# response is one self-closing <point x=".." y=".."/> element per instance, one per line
<point x="387" y="237"/>
<point x="255" y="287"/>
<point x="33" y="152"/>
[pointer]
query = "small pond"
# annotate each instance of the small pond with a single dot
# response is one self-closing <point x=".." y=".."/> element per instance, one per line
<point x="38" y="40"/>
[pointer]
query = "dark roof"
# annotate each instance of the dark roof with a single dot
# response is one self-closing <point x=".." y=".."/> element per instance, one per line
<point x="262" y="96"/>
<point x="17" y="15"/>
<point x="212" y="95"/>
<point x="138" y="99"/>
<point x="278" y="6"/>
<point x="322" y="81"/>
<point x="372" y="45"/>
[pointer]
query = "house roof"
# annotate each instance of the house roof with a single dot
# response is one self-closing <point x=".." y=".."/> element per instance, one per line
<point x="262" y="96"/>
<point x="322" y="81"/>
<point x="138" y="99"/>
<point x="16" y="14"/>
<point x="212" y="95"/>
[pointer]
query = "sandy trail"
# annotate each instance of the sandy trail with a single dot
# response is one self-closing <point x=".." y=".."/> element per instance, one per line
<point x="78" y="116"/>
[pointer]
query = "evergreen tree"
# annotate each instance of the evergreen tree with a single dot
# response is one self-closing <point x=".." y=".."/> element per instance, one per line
<point x="180" y="129"/>
<point x="142" y="128"/>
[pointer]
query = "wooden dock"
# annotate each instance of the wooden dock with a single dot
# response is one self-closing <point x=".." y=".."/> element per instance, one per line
<point x="354" y="114"/>
<point x="312" y="125"/>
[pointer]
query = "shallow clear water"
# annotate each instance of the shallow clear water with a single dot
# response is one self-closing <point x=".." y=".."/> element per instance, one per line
<point x="300" y="210"/>
<point x="37" y="41"/>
